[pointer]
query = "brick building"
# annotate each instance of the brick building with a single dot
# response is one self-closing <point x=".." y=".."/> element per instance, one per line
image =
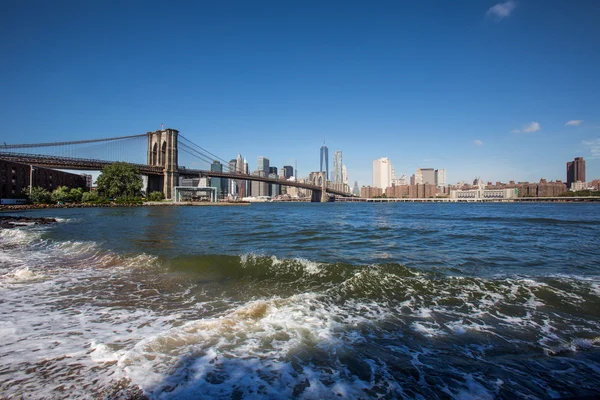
<point x="397" y="191"/>
<point x="14" y="179"/>
<point x="575" y="171"/>
<point x="417" y="191"/>
<point x="369" y="192"/>
<point x="540" y="189"/>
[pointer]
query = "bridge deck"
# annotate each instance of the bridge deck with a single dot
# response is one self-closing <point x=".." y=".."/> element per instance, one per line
<point x="98" y="165"/>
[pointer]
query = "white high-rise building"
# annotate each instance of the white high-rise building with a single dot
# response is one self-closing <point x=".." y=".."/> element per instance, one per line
<point x="239" y="164"/>
<point x="418" y="177"/>
<point x="344" y="175"/>
<point x="337" y="167"/>
<point x="440" y="177"/>
<point x="382" y="173"/>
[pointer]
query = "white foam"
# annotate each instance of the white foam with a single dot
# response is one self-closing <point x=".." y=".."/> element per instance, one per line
<point x="103" y="353"/>
<point x="21" y="274"/>
<point x="65" y="220"/>
<point x="276" y="264"/>
<point x="428" y="329"/>
<point x="232" y="345"/>
<point x="18" y="236"/>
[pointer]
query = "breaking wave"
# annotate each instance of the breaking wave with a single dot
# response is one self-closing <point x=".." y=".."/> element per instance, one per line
<point x="80" y="320"/>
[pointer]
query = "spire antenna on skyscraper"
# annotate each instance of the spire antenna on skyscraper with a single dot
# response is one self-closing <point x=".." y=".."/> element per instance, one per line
<point x="324" y="166"/>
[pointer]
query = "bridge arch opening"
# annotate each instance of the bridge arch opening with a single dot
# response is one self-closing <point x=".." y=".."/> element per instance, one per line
<point x="154" y="156"/>
<point x="320" y="181"/>
<point x="163" y="153"/>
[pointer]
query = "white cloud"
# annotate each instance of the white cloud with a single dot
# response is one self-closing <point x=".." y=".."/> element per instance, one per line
<point x="478" y="142"/>
<point x="502" y="10"/>
<point x="529" y="128"/>
<point x="532" y="127"/>
<point x="574" y="122"/>
<point x="593" y="146"/>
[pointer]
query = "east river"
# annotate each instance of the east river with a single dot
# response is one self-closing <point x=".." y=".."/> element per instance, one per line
<point x="307" y="301"/>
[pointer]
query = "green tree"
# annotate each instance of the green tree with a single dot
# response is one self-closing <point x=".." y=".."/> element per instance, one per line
<point x="61" y="194"/>
<point x="156" y="196"/>
<point x="76" y="194"/>
<point x="120" y="179"/>
<point x="89" y="197"/>
<point x="39" y="195"/>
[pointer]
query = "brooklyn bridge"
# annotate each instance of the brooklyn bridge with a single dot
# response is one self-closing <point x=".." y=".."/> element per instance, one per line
<point x="157" y="155"/>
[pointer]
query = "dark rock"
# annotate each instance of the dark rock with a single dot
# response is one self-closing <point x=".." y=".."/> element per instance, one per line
<point x="11" y="221"/>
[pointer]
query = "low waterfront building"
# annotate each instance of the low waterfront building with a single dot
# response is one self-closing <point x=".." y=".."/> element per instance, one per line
<point x="576" y="186"/>
<point x="541" y="189"/>
<point x="369" y="192"/>
<point x="416" y="191"/>
<point x="481" y="193"/>
<point x="195" y="194"/>
<point x="15" y="179"/>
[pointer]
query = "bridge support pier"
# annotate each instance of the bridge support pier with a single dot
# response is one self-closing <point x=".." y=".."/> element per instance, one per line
<point x="163" y="152"/>
<point x="324" y="196"/>
<point x="155" y="184"/>
<point x="316" y="196"/>
<point x="319" y="179"/>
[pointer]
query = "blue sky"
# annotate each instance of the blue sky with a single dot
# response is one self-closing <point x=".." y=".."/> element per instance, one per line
<point x="480" y="88"/>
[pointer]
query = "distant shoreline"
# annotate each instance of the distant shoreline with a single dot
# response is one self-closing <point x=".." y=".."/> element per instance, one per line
<point x="27" y="207"/>
<point x="593" y="199"/>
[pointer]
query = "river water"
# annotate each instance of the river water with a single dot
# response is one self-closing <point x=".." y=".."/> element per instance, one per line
<point x="308" y="301"/>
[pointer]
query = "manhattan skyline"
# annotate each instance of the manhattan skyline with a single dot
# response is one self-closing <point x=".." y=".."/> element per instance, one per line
<point x="501" y="90"/>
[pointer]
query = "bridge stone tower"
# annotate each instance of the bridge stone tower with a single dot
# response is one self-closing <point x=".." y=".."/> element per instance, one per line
<point x="319" y="179"/>
<point x="163" y="152"/>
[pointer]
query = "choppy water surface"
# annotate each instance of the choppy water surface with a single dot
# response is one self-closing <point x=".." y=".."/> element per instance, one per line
<point x="303" y="301"/>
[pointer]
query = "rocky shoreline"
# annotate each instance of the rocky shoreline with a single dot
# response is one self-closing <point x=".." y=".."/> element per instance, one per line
<point x="7" y="222"/>
<point x="27" y="207"/>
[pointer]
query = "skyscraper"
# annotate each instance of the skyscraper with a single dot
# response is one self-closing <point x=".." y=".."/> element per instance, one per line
<point x="216" y="182"/>
<point x="440" y="177"/>
<point x="575" y="171"/>
<point x="239" y="169"/>
<point x="262" y="170"/>
<point x="337" y="167"/>
<point x="344" y="175"/>
<point x="289" y="171"/>
<point x="263" y="165"/>
<point x="428" y="176"/>
<point x="247" y="188"/>
<point x="382" y="173"/>
<point x="232" y="183"/>
<point x="325" y="161"/>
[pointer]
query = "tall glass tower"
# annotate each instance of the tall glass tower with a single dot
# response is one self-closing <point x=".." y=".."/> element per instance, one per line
<point x="337" y="167"/>
<point x="325" y="161"/>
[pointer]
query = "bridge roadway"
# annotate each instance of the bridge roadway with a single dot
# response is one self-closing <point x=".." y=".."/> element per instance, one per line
<point x="98" y="165"/>
<point x="74" y="163"/>
<point x="192" y="172"/>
